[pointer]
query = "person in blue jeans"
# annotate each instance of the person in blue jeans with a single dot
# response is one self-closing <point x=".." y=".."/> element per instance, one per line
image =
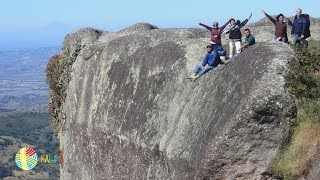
<point x="210" y="61"/>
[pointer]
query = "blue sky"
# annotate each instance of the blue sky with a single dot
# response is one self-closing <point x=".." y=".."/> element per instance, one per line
<point x="50" y="20"/>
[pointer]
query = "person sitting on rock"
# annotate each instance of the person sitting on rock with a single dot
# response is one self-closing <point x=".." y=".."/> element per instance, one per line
<point x="215" y="33"/>
<point x="280" y="25"/>
<point x="249" y="40"/>
<point x="235" y="36"/>
<point x="210" y="61"/>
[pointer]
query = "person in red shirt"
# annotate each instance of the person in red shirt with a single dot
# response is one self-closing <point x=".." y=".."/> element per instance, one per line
<point x="215" y="33"/>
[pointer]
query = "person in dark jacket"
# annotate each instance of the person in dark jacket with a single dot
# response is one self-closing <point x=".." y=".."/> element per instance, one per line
<point x="235" y="36"/>
<point x="298" y="30"/>
<point x="215" y="33"/>
<point x="307" y="33"/>
<point x="280" y="25"/>
<point x="210" y="61"/>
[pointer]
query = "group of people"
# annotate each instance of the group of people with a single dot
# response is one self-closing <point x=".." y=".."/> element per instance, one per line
<point x="216" y="54"/>
<point x="300" y="30"/>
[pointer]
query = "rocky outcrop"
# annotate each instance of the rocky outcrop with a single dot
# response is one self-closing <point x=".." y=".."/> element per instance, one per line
<point x="130" y="112"/>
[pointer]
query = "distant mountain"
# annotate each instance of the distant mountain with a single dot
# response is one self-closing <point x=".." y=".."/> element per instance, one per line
<point x="22" y="78"/>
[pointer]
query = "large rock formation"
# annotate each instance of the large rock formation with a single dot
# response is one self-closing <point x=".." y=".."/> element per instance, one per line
<point x="128" y="111"/>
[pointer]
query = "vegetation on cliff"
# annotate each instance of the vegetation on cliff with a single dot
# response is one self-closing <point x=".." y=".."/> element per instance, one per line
<point x="297" y="158"/>
<point x="58" y="76"/>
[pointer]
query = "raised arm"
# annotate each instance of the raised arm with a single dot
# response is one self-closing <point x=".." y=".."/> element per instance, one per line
<point x="250" y="15"/>
<point x="226" y="29"/>
<point x="246" y="44"/>
<point x="206" y="26"/>
<point x="245" y="21"/>
<point x="224" y="26"/>
<point x="269" y="17"/>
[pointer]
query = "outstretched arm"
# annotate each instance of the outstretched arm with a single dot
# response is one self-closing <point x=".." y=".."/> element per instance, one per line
<point x="224" y="26"/>
<point x="245" y="21"/>
<point x="250" y="15"/>
<point x="269" y="17"/>
<point x="206" y="26"/>
<point x="226" y="29"/>
<point x="246" y="44"/>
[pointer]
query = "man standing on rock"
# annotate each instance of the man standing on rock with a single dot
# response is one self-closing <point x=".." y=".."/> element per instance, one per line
<point x="298" y="28"/>
<point x="210" y="61"/>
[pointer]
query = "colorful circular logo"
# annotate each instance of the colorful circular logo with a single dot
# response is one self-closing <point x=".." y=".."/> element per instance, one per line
<point x="26" y="158"/>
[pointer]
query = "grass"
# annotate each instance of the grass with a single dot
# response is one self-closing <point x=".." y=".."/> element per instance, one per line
<point x="295" y="161"/>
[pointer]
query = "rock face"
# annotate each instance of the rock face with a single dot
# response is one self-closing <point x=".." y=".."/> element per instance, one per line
<point x="130" y="112"/>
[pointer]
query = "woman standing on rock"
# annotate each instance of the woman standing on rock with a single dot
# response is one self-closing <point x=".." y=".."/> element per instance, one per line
<point x="215" y="33"/>
<point x="280" y="25"/>
<point x="235" y="36"/>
